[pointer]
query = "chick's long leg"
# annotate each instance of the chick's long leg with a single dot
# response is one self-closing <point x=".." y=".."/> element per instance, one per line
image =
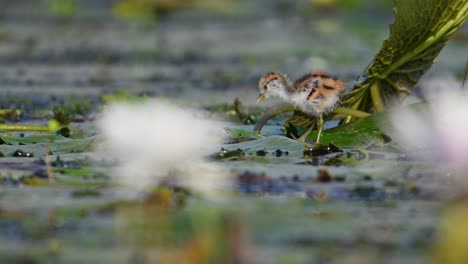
<point x="306" y="134"/>
<point x="320" y="123"/>
<point x="319" y="128"/>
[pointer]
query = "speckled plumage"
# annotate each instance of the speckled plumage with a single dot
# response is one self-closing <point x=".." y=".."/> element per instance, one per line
<point x="315" y="93"/>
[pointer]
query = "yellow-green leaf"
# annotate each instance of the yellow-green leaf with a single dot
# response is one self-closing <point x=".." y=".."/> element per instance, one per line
<point x="420" y="31"/>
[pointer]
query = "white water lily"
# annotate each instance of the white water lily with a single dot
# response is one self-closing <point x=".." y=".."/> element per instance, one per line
<point x="157" y="141"/>
<point x="441" y="133"/>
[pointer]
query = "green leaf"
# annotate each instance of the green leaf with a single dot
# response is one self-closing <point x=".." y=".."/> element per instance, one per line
<point x="235" y="133"/>
<point x="268" y="144"/>
<point x="364" y="131"/>
<point x="62" y="8"/>
<point x="298" y="124"/>
<point x="30" y="139"/>
<point x="60" y="146"/>
<point x="420" y="31"/>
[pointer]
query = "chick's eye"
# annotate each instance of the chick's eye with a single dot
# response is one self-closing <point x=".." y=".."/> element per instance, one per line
<point x="265" y="87"/>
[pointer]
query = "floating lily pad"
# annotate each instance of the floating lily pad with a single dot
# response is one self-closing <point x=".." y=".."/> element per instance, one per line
<point x="270" y="144"/>
<point x="362" y="132"/>
<point x="29" y="139"/>
<point x="60" y="146"/>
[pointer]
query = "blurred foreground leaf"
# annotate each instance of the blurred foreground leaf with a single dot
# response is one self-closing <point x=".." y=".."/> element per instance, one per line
<point x="454" y="237"/>
<point x="187" y="234"/>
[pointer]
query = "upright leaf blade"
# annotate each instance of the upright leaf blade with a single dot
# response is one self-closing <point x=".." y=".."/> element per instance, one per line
<point x="420" y="31"/>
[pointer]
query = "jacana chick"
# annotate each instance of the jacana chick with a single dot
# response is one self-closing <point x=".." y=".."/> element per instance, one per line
<point x="315" y="93"/>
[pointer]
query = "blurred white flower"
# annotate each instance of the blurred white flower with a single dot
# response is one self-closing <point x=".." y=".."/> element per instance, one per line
<point x="441" y="132"/>
<point x="156" y="141"/>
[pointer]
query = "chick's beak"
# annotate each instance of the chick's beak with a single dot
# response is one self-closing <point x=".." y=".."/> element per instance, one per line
<point x="261" y="97"/>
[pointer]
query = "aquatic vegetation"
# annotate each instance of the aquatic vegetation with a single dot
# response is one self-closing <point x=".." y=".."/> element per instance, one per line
<point x="235" y="112"/>
<point x="335" y="4"/>
<point x="150" y="9"/>
<point x="420" y="31"/>
<point x="71" y="109"/>
<point x="62" y="8"/>
<point x="124" y="96"/>
<point x="9" y="115"/>
<point x="3" y="33"/>
<point x="359" y="199"/>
